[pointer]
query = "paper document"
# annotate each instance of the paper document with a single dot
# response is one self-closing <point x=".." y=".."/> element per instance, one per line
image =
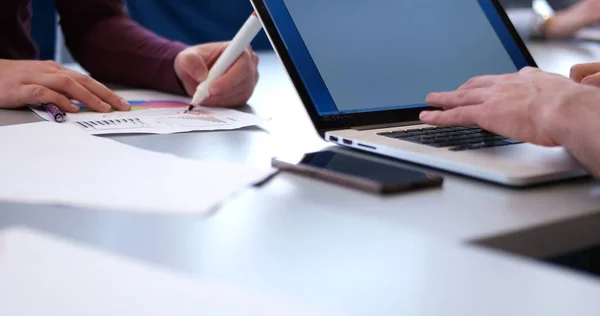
<point x="44" y="275"/>
<point x="156" y="113"/>
<point x="48" y="163"/>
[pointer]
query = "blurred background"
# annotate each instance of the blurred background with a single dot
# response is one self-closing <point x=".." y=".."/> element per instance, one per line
<point x="187" y="21"/>
<point x="194" y="21"/>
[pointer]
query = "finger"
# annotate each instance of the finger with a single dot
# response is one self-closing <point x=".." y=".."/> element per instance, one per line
<point x="36" y="94"/>
<point x="242" y="69"/>
<point x="253" y="56"/>
<point x="247" y="85"/>
<point x="458" y="98"/>
<point x="194" y="67"/>
<point x="593" y="80"/>
<point x="255" y="59"/>
<point x="461" y="116"/>
<point x="67" y="85"/>
<point x="100" y="90"/>
<point x="480" y="82"/>
<point x="217" y="50"/>
<point x="580" y="71"/>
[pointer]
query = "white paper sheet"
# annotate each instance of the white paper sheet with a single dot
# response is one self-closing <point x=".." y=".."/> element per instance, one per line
<point x="48" y="163"/>
<point x="44" y="275"/>
<point x="156" y="113"/>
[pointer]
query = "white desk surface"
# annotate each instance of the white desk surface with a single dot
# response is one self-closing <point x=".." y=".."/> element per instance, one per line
<point x="538" y="222"/>
<point x="338" y="247"/>
<point x="357" y="269"/>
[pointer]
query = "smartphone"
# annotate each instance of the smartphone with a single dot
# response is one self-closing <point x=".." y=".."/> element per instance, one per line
<point x="356" y="172"/>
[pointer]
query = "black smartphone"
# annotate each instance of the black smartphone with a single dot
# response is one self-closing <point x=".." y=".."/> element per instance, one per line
<point x="358" y="172"/>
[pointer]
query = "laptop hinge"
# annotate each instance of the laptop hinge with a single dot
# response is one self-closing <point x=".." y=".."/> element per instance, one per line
<point x="390" y="125"/>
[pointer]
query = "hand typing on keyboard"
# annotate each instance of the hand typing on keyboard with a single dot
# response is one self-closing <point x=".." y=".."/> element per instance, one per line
<point x="528" y="106"/>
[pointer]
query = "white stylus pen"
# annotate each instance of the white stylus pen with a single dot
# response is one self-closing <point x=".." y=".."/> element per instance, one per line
<point x="235" y="49"/>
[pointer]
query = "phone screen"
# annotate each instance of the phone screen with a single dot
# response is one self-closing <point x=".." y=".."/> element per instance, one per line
<point x="363" y="168"/>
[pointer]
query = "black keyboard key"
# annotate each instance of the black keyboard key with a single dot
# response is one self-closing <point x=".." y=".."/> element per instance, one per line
<point x="496" y="138"/>
<point x="446" y="144"/>
<point x="455" y="133"/>
<point x="417" y="133"/>
<point x="399" y="135"/>
<point x="444" y="139"/>
<point x="477" y="140"/>
<point x="445" y="129"/>
<point x="438" y="135"/>
<point x="402" y="136"/>
<point x="463" y="137"/>
<point x="428" y="137"/>
<point x="475" y="133"/>
<point x="439" y="141"/>
<point x="479" y="134"/>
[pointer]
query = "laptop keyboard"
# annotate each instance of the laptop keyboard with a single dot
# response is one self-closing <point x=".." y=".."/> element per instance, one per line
<point x="454" y="138"/>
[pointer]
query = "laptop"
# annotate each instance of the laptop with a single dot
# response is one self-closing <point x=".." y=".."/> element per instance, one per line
<point x="363" y="69"/>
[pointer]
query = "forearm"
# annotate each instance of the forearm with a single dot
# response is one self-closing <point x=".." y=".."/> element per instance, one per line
<point x="586" y="150"/>
<point x="578" y="129"/>
<point x="113" y="48"/>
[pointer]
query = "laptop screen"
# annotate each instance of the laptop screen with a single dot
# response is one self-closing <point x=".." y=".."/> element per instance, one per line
<point x="375" y="55"/>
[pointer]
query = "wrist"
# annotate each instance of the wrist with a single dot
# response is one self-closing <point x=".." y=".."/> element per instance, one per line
<point x="571" y="121"/>
<point x="173" y="81"/>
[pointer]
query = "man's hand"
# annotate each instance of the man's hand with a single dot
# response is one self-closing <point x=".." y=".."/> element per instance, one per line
<point x="36" y="82"/>
<point x="234" y="88"/>
<point x="566" y="23"/>
<point x="531" y="106"/>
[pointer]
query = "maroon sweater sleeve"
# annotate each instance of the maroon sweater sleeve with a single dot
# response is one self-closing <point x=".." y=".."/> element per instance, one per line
<point x="112" y="47"/>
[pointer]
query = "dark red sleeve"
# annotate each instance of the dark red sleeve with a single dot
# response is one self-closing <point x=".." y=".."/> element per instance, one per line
<point x="112" y="47"/>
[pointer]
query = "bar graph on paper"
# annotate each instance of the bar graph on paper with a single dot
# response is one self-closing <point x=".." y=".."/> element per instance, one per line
<point x="157" y="117"/>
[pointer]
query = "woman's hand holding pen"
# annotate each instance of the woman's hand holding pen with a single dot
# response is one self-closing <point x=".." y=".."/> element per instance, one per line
<point x="38" y="82"/>
<point x="234" y="88"/>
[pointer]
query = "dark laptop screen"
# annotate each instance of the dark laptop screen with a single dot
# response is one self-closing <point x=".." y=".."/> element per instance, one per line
<point x="374" y="55"/>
